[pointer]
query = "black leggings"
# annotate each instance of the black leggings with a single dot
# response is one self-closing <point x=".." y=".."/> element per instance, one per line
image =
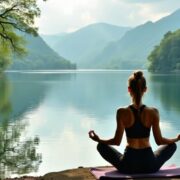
<point x="137" y="160"/>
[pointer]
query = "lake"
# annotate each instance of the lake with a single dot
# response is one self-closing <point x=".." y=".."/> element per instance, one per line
<point x="45" y="116"/>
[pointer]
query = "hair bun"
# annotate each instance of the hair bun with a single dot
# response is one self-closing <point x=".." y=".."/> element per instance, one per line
<point x="138" y="75"/>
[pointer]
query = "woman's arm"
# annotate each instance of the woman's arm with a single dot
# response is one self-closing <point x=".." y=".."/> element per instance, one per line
<point x="116" y="140"/>
<point x="157" y="131"/>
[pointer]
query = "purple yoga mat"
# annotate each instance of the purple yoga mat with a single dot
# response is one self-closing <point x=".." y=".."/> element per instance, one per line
<point x="112" y="173"/>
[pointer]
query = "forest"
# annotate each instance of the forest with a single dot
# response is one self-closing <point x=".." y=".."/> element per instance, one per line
<point x="165" y="58"/>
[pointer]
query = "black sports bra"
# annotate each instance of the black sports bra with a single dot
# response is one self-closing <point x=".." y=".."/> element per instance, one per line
<point x="137" y="130"/>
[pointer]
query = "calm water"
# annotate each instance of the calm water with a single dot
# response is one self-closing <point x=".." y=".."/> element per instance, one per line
<point x="45" y="116"/>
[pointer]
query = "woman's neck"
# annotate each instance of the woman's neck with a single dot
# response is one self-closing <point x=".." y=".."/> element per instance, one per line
<point x="136" y="105"/>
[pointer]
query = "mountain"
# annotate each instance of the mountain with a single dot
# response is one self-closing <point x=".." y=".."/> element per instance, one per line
<point x="131" y="51"/>
<point x="165" y="58"/>
<point x="53" y="39"/>
<point x="40" y="56"/>
<point x="84" y="44"/>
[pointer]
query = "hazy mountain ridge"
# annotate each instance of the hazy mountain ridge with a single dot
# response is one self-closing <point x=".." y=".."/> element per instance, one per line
<point x="132" y="49"/>
<point x="83" y="45"/>
<point x="106" y="46"/>
<point x="52" y="40"/>
<point x="40" y="56"/>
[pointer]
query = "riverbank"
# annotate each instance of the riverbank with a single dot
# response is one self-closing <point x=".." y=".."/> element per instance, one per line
<point x="74" y="174"/>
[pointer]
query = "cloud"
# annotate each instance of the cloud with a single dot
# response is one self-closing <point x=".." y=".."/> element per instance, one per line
<point x="143" y="1"/>
<point x="59" y="15"/>
<point x="148" y="12"/>
<point x="64" y="16"/>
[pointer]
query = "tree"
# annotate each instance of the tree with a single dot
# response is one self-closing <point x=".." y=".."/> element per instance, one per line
<point x="16" y="16"/>
<point x="165" y="57"/>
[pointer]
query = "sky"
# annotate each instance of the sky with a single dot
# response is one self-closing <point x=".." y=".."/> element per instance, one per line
<point x="58" y="16"/>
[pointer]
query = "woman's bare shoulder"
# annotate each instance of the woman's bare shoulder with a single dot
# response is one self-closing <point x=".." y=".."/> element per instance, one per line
<point x="152" y="110"/>
<point x="123" y="114"/>
<point x="123" y="110"/>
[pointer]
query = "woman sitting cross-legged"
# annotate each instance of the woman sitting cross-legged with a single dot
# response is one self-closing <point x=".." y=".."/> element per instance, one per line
<point x="136" y="120"/>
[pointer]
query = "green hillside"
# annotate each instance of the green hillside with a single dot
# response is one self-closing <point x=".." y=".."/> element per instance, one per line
<point x="166" y="56"/>
<point x="40" y="56"/>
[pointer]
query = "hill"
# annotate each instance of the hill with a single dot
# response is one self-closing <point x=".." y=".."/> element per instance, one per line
<point x="165" y="57"/>
<point x="53" y="39"/>
<point x="40" y="56"/>
<point x="131" y="51"/>
<point x="84" y="44"/>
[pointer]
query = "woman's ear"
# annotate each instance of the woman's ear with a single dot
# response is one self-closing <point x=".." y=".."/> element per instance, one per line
<point x="129" y="89"/>
<point x="145" y="89"/>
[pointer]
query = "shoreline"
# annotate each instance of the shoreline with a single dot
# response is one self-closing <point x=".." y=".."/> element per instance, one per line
<point x="81" y="173"/>
<point x="75" y="174"/>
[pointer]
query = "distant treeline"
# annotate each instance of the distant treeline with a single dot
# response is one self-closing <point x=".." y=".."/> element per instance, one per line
<point x="41" y="64"/>
<point x="166" y="56"/>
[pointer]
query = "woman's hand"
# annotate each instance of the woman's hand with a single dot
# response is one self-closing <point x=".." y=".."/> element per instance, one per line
<point x="94" y="136"/>
<point x="178" y="137"/>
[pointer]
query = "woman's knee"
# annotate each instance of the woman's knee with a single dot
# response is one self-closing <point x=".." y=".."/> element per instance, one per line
<point x="173" y="147"/>
<point x="100" y="147"/>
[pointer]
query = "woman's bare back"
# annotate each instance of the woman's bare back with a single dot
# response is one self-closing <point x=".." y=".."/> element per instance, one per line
<point x="147" y="117"/>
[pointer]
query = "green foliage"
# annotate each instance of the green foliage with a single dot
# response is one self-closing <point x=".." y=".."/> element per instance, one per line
<point x="166" y="56"/>
<point x="8" y="50"/>
<point x="15" y="15"/>
<point x="40" y="56"/>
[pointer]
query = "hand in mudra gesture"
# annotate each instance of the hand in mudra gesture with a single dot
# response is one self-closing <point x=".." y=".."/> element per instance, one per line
<point x="178" y="137"/>
<point x="93" y="136"/>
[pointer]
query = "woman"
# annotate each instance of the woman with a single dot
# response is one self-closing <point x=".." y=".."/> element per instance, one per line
<point x="137" y="121"/>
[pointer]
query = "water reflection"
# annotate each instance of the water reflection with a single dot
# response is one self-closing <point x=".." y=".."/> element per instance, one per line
<point x="167" y="88"/>
<point x="17" y="155"/>
<point x="96" y="94"/>
<point x="5" y="90"/>
<point x="61" y="108"/>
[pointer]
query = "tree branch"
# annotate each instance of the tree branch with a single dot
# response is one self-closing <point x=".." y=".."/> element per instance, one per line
<point x="8" y="38"/>
<point x="12" y="24"/>
<point x="8" y="10"/>
<point x="3" y="28"/>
